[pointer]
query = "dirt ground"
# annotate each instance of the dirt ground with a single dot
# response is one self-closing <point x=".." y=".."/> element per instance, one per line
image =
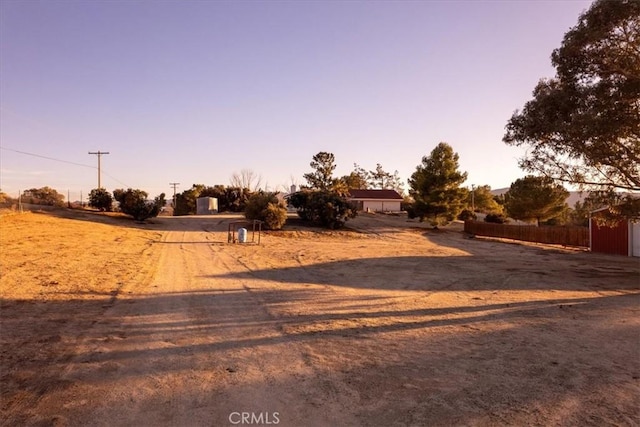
<point x="106" y="322"/>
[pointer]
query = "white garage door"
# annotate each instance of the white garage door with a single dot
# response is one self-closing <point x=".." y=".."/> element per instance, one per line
<point x="635" y="238"/>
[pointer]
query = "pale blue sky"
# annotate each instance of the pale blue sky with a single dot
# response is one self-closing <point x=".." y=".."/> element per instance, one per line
<point x="192" y="91"/>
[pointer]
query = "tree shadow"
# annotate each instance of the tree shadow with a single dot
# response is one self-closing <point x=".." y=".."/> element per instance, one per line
<point x="452" y="363"/>
<point x="458" y="273"/>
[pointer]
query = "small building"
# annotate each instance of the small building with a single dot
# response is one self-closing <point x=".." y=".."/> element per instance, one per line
<point x="206" y="205"/>
<point x="376" y="200"/>
<point x="622" y="238"/>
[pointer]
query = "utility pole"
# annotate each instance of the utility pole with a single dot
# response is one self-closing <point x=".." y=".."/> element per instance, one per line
<point x="473" y="197"/>
<point x="99" y="154"/>
<point x="174" y="185"/>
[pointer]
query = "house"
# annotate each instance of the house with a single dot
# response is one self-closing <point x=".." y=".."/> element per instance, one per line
<point x="622" y="238"/>
<point x="375" y="200"/>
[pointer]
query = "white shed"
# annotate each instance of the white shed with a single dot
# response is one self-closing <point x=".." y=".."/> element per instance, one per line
<point x="206" y="205"/>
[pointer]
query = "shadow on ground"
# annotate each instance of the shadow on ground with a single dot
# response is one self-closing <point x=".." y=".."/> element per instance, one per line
<point x="406" y="366"/>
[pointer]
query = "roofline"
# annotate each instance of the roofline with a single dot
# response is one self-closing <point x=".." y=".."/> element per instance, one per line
<point x="378" y="199"/>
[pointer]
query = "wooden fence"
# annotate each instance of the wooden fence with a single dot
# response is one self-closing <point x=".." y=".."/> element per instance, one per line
<point x="568" y="236"/>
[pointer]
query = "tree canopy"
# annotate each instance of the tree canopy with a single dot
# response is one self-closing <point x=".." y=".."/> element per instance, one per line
<point x="266" y="207"/>
<point x="321" y="178"/>
<point x="134" y="202"/>
<point x="246" y="178"/>
<point x="481" y="200"/>
<point x="100" y="198"/>
<point x="358" y="179"/>
<point x="362" y="179"/>
<point x="583" y="125"/>
<point x="230" y="199"/>
<point x="535" y="198"/>
<point x="435" y="186"/>
<point x="323" y="208"/>
<point x="43" y="196"/>
<point x="379" y="178"/>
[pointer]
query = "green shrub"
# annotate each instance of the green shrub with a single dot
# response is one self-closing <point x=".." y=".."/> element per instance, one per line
<point x="100" y="198"/>
<point x="135" y="203"/>
<point x="267" y="208"/>
<point x="324" y="208"/>
<point x="467" y="215"/>
<point x="495" y="218"/>
<point x="43" y="196"/>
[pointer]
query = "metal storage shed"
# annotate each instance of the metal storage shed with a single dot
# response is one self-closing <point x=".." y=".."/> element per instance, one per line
<point x="620" y="239"/>
<point x="206" y="205"/>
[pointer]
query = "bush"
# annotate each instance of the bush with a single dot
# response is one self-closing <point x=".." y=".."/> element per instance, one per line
<point x="467" y="215"/>
<point x="5" y="198"/>
<point x="407" y="206"/>
<point x="324" y="208"/>
<point x="100" y="198"/>
<point x="135" y="203"/>
<point x="267" y="208"/>
<point x="495" y="218"/>
<point x="43" y="196"/>
<point x="275" y="216"/>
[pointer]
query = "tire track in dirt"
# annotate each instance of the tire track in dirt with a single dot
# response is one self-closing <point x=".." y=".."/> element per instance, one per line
<point x="190" y="348"/>
<point x="308" y="396"/>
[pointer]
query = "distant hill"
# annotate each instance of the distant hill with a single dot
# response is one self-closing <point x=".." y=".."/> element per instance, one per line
<point x="574" y="196"/>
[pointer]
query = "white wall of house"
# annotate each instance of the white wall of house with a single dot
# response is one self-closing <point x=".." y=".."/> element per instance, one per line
<point x="634" y="238"/>
<point x="380" y="206"/>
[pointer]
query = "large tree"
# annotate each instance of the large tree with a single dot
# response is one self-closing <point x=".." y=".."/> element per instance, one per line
<point x="535" y="198"/>
<point x="321" y="178"/>
<point x="379" y="178"/>
<point x="134" y="202"/>
<point x="435" y="186"/>
<point x="247" y="178"/>
<point x="100" y="198"/>
<point x="43" y="196"/>
<point x="480" y="199"/>
<point x="323" y="208"/>
<point x="583" y="126"/>
<point x="186" y="201"/>
<point x="358" y="179"/>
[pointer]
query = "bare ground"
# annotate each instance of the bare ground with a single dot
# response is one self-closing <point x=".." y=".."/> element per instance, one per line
<point x="108" y="322"/>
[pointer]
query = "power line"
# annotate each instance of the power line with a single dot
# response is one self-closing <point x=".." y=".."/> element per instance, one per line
<point x="115" y="179"/>
<point x="63" y="161"/>
<point x="46" y="157"/>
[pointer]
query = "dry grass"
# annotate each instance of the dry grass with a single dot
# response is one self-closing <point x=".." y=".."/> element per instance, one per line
<point x="385" y="323"/>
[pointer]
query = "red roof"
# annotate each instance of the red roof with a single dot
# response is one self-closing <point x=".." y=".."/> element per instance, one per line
<point x="375" y="194"/>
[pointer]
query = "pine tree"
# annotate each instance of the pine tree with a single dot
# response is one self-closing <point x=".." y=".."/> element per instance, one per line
<point x="535" y="198"/>
<point x="322" y="177"/>
<point x="435" y="186"/>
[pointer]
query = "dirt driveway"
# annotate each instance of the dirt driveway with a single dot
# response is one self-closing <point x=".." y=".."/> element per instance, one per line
<point x="104" y="322"/>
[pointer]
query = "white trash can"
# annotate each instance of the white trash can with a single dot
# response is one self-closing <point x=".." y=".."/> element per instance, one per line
<point x="242" y="235"/>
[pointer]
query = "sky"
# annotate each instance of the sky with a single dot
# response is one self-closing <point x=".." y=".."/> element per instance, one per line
<point x="194" y="91"/>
